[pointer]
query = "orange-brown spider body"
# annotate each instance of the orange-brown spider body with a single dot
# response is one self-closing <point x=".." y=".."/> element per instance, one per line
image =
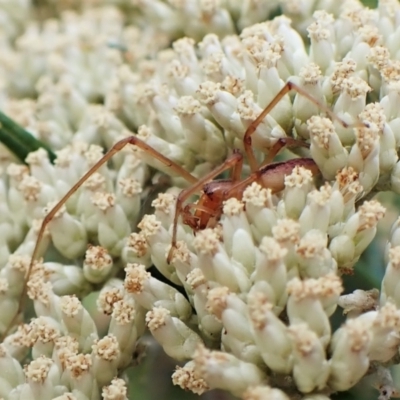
<point x="208" y="208"/>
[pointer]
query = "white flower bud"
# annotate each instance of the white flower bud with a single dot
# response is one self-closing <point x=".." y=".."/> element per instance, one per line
<point x="78" y="322"/>
<point x="105" y="357"/>
<point x="237" y="338"/>
<point x="304" y="306"/>
<point x="176" y="338"/>
<point x="68" y="234"/>
<point x="349" y="362"/>
<point x="97" y="264"/>
<point x="310" y="367"/>
<point x="150" y="292"/>
<point x="270" y="334"/>
<point x="224" y="371"/>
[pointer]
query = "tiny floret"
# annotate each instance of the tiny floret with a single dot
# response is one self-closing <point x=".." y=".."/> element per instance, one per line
<point x="136" y="277"/>
<point x="107" y="348"/>
<point x="103" y="201"/>
<point x="156" y="318"/>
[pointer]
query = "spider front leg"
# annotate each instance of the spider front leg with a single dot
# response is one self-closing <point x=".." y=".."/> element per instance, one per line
<point x="133" y="140"/>
<point x="247" y="140"/>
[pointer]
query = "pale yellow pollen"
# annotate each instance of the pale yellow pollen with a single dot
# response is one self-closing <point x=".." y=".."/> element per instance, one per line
<point x="20" y="338"/>
<point x="370" y="35"/>
<point x="312" y="245"/>
<point x="195" y="278"/>
<point x="232" y="207"/>
<point x="181" y="253"/>
<point x="106" y="348"/>
<point x="124" y="311"/>
<point x="184" y="47"/>
<point x="330" y="285"/>
<point x="346" y="176"/>
<point x="317" y="32"/>
<point x="394" y="257"/>
<point x="286" y="230"/>
<point x="321" y="130"/>
<point x="378" y="56"/>
<point x="95" y="182"/>
<point x="373" y="112"/>
<point x="299" y="177"/>
<point x="149" y="225"/>
<point x="217" y="300"/>
<point x="130" y="187"/>
<point x="213" y="63"/>
<point x="323" y="17"/>
<point x="187" y="105"/>
<point x="204" y="357"/>
<point x="272" y="249"/>
<point x="165" y="202"/>
<point x="311" y="73"/>
<point x="206" y="242"/>
<point x="258" y="196"/>
<point x="388" y="317"/>
<point x="107" y="298"/>
<point x="301" y="290"/>
<point x="186" y="378"/>
<point x="93" y="154"/>
<point x="370" y="213"/>
<point x="44" y="331"/>
<point x="116" y="390"/>
<point x="70" y="306"/>
<point x="303" y="339"/>
<point x="37" y="370"/>
<point x="391" y="71"/>
<point x="30" y="187"/>
<point x="343" y="69"/>
<point x="137" y="242"/>
<point x="209" y="40"/>
<point x="358" y="334"/>
<point x="103" y="201"/>
<point x="19" y="262"/>
<point x="136" y="278"/>
<point x="100" y="116"/>
<point x="37" y="157"/>
<point x="208" y="92"/>
<point x="39" y="290"/>
<point x="66" y="345"/>
<point x="233" y="85"/>
<point x="177" y="70"/>
<point x="259" y="307"/>
<point x="97" y="257"/>
<point x="78" y="364"/>
<point x="355" y="87"/>
<point x="64" y="157"/>
<point x="17" y="171"/>
<point x="157" y="318"/>
<point x="367" y="139"/>
<point x="320" y="197"/>
<point x="262" y="53"/>
<point x="246" y="107"/>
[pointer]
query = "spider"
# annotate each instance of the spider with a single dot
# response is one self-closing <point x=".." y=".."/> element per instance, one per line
<point x="207" y="211"/>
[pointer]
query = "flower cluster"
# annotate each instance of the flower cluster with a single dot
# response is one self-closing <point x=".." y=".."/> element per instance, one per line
<point x="246" y="303"/>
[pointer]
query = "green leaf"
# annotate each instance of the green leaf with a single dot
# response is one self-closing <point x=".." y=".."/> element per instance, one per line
<point x="18" y="140"/>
